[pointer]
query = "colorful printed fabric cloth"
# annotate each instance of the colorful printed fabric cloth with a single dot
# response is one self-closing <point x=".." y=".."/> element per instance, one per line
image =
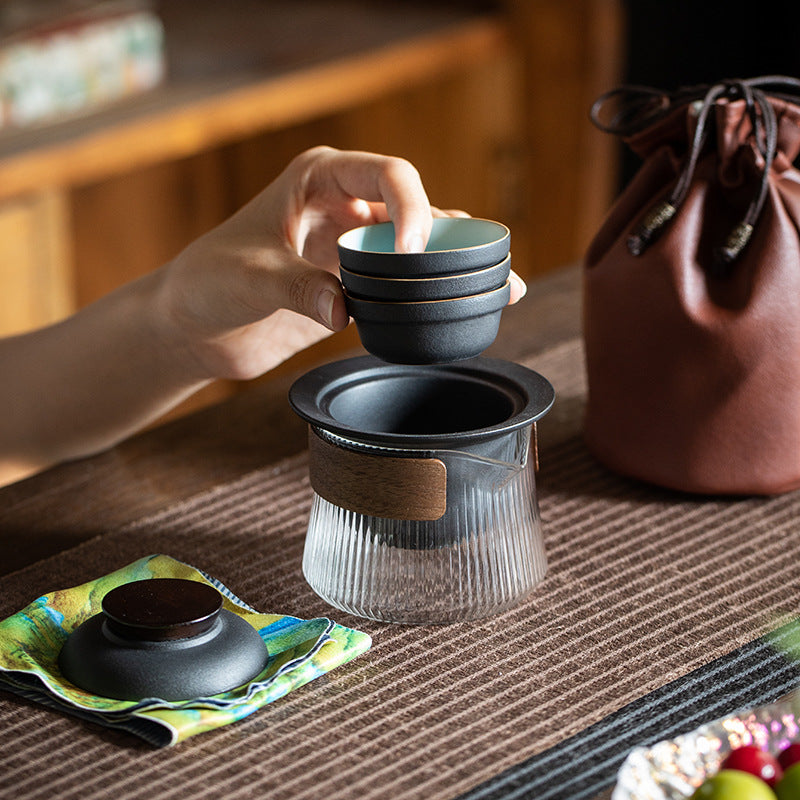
<point x="30" y="641"/>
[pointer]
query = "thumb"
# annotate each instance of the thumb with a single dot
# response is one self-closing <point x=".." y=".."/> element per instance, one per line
<point x="314" y="293"/>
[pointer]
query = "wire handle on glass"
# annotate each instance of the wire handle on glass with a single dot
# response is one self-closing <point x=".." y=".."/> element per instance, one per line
<point x="641" y="107"/>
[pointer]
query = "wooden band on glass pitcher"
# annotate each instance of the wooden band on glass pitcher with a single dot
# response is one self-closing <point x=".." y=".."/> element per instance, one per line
<point x="377" y="485"/>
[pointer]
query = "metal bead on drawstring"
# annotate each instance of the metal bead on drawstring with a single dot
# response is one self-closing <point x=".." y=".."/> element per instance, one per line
<point x="736" y="242"/>
<point x="650" y="226"/>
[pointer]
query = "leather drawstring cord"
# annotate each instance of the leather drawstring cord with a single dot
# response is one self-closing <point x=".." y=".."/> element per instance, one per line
<point x="740" y="236"/>
<point x="640" y="107"/>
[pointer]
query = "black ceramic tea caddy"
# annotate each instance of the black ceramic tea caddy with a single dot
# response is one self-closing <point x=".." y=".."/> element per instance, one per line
<point x="164" y="638"/>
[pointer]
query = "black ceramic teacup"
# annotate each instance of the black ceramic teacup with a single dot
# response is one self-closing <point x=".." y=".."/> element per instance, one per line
<point x="456" y="244"/>
<point x="439" y="287"/>
<point x="430" y="331"/>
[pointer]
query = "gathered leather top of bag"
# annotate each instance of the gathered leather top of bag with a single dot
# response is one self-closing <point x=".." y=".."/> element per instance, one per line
<point x="692" y="290"/>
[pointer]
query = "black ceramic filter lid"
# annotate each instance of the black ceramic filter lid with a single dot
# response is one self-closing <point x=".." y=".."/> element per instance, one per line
<point x="431" y="406"/>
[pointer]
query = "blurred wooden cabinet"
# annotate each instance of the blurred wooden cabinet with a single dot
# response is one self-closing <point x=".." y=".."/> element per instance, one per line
<point x="36" y="272"/>
<point x="466" y="95"/>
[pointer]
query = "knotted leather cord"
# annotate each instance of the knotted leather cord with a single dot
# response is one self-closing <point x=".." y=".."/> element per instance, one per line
<point x="642" y="107"/>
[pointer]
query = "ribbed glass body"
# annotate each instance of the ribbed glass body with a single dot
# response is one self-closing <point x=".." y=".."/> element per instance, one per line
<point x="482" y="556"/>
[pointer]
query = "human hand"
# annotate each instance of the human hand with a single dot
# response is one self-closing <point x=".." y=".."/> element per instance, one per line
<point x="262" y="285"/>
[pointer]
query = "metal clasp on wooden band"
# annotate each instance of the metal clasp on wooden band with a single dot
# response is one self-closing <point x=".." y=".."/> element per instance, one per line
<point x="377" y="485"/>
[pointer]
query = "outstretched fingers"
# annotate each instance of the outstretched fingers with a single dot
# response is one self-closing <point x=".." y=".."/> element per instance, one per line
<point x="378" y="179"/>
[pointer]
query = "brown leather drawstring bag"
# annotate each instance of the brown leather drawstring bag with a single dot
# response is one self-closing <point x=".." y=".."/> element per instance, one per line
<point x="692" y="291"/>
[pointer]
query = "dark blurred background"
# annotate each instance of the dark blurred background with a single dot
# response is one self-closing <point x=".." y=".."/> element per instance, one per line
<point x="678" y="42"/>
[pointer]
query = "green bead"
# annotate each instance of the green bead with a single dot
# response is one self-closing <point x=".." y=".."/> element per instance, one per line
<point x="788" y="787"/>
<point x="731" y="784"/>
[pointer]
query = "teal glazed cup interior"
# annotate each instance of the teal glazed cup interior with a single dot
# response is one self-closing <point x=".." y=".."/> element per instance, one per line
<point x="438" y="287"/>
<point x="456" y="244"/>
<point x="430" y="331"/>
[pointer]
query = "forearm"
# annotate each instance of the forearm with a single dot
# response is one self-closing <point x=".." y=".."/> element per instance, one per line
<point x="233" y="304"/>
<point x="84" y="384"/>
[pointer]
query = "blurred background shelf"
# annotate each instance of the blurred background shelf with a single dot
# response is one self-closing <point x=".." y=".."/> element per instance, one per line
<point x="488" y="99"/>
<point x="248" y="67"/>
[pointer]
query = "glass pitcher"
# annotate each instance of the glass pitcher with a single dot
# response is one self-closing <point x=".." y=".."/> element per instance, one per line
<point x="425" y="507"/>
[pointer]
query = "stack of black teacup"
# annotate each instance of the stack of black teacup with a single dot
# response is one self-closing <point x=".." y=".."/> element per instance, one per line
<point x="440" y="305"/>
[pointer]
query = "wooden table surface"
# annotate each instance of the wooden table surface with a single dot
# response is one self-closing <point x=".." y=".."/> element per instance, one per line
<point x="56" y="509"/>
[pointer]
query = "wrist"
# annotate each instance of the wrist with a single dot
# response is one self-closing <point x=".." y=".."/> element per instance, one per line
<point x="172" y="334"/>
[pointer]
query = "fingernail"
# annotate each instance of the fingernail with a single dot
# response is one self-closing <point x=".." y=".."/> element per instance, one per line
<point x="325" y="307"/>
<point x="520" y="284"/>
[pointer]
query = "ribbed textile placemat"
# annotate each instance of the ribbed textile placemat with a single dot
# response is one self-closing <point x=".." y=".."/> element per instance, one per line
<point x="582" y="766"/>
<point x="644" y="587"/>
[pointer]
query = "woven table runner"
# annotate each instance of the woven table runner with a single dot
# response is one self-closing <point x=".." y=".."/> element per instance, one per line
<point x="648" y="591"/>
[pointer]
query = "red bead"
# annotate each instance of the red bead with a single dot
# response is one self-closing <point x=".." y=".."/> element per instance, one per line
<point x="789" y="755"/>
<point x="752" y="759"/>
